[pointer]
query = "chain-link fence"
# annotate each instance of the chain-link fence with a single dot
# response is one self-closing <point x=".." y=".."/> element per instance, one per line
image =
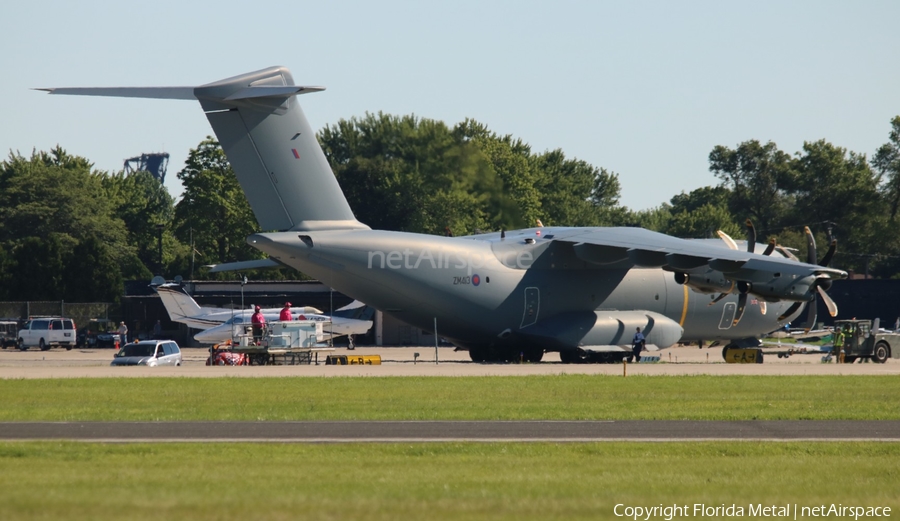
<point x="80" y="312"/>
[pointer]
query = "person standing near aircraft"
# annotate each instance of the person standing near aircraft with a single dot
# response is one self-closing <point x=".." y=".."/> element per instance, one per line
<point x="285" y="315"/>
<point x="637" y="345"/>
<point x="123" y="333"/>
<point x="258" y="321"/>
<point x="838" y="344"/>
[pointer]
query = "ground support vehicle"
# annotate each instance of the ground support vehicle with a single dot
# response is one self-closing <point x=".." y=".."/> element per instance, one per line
<point x="9" y="330"/>
<point x="283" y="343"/>
<point x="864" y="340"/>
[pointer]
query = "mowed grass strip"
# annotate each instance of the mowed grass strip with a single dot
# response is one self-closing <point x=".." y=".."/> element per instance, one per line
<point x="469" y="481"/>
<point x="560" y="397"/>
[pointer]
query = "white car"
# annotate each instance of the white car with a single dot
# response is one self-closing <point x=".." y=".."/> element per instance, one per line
<point x="46" y="332"/>
<point x="150" y="353"/>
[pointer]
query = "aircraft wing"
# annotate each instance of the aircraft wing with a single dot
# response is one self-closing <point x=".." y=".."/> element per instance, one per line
<point x="785" y="349"/>
<point x="711" y="267"/>
<point x="645" y="248"/>
<point x="245" y="265"/>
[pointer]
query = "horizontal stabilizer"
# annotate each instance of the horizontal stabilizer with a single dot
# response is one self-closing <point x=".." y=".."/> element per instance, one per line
<point x="269" y="143"/>
<point x="186" y="93"/>
<point x="259" y="264"/>
<point x="272" y="91"/>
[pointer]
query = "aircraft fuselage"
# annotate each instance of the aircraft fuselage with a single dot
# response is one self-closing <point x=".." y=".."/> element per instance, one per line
<point x="488" y="290"/>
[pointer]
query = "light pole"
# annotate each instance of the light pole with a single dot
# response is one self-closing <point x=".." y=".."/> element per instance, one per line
<point x="160" y="228"/>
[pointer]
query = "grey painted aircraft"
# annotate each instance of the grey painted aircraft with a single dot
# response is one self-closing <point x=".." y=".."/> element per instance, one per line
<point x="505" y="295"/>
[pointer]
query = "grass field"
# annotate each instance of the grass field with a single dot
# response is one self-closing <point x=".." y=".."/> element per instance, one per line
<point x="471" y="481"/>
<point x="431" y="481"/>
<point x="561" y="397"/>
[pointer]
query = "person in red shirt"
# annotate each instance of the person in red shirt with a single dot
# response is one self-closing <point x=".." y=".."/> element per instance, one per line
<point x="258" y="321"/>
<point x="286" y="312"/>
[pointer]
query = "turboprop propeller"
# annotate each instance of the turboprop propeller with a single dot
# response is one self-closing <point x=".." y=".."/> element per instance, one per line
<point x="821" y="284"/>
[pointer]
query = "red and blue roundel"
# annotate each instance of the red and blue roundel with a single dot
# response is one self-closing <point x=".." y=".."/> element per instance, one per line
<point x="476" y="280"/>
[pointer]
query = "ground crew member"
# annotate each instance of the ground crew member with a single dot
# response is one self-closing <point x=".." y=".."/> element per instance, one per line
<point x="838" y="344"/>
<point x="258" y="321"/>
<point x="123" y="333"/>
<point x="637" y="345"/>
<point x="286" y="313"/>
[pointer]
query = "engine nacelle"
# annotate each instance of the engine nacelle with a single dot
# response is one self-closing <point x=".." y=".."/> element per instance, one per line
<point x="784" y="288"/>
<point x="710" y="282"/>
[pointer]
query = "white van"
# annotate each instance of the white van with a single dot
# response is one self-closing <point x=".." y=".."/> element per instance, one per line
<point x="46" y="332"/>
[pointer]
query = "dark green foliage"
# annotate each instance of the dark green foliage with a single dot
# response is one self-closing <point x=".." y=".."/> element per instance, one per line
<point x="92" y="274"/>
<point x="69" y="232"/>
<point x="412" y="174"/>
<point x="757" y="177"/>
<point x="213" y="214"/>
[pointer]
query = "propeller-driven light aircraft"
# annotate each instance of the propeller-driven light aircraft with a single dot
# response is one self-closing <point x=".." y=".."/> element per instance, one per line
<point x="508" y="295"/>
<point x="220" y="325"/>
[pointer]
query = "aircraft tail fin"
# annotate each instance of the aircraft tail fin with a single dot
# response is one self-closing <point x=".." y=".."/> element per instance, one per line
<point x="268" y="142"/>
<point x="178" y="304"/>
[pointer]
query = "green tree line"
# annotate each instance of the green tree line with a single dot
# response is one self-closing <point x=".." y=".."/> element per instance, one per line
<point x="71" y="232"/>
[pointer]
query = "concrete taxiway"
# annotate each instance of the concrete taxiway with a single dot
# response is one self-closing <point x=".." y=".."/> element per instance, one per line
<point x="402" y="361"/>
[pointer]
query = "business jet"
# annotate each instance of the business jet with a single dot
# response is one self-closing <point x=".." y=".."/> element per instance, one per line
<point x="219" y="325"/>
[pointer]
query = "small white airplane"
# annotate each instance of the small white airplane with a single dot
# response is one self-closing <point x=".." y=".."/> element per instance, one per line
<point x="221" y="325"/>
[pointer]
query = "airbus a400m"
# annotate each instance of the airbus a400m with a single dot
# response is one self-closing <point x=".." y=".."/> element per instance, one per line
<point x="579" y="291"/>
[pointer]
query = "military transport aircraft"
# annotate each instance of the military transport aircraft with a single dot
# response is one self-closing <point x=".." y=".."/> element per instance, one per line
<point x="219" y="325"/>
<point x="502" y="296"/>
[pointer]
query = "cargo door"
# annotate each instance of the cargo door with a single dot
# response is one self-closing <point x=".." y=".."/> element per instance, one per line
<point x="728" y="311"/>
<point x="532" y="307"/>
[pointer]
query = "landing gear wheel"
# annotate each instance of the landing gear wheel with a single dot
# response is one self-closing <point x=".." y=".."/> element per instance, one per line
<point x="533" y="355"/>
<point x="351" y="347"/>
<point x="881" y="353"/>
<point x="43" y="345"/>
<point x="477" y="355"/>
<point x="572" y="356"/>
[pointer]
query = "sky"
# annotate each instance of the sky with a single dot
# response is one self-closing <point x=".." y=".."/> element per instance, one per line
<point x="645" y="89"/>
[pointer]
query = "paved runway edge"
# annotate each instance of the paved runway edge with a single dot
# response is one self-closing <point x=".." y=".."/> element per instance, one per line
<point x="454" y="431"/>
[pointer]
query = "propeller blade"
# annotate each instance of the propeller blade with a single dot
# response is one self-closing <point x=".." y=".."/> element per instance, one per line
<point x="832" y="307"/>
<point x="811" y="257"/>
<point x="790" y="311"/>
<point x="810" y="316"/>
<point x="728" y="240"/>
<point x="787" y="253"/>
<point x="720" y="297"/>
<point x="751" y="236"/>
<point x="771" y="247"/>
<point x="742" y="305"/>
<point x="826" y="260"/>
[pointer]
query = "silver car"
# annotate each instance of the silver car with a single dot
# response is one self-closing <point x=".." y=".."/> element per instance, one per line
<point x="150" y="353"/>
